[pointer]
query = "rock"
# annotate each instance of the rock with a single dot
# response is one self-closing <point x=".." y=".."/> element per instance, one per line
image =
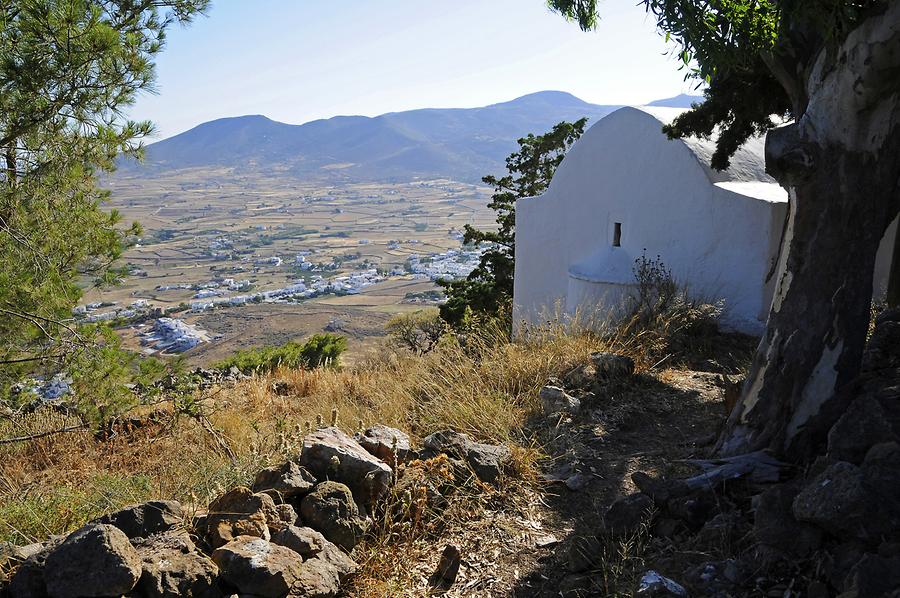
<point x="445" y="574"/>
<point x="172" y="567"/>
<point x="660" y="489"/>
<point x="281" y="387"/>
<point x="257" y="567"/>
<point x="317" y="579"/>
<point x="655" y="585"/>
<point x="488" y="461"/>
<point x="717" y="578"/>
<point x="627" y="514"/>
<point x="322" y="575"/>
<point x="367" y="476"/>
<point x="334" y="556"/>
<point x="584" y="553"/>
<point x="284" y="482"/>
<point x="881" y="476"/>
<point x="581" y="376"/>
<point x="331" y="510"/>
<point x="140" y="521"/>
<point x="96" y="560"/>
<point x="838" y="501"/>
<point x="776" y="527"/>
<point x="381" y="441"/>
<point x="28" y="581"/>
<point x="863" y="425"/>
<point x="873" y="575"/>
<point x="286" y="514"/>
<point x="694" y="509"/>
<point x="240" y="512"/>
<point x="610" y="366"/>
<point x="577" y="482"/>
<point x="554" y="399"/>
<point x="305" y="541"/>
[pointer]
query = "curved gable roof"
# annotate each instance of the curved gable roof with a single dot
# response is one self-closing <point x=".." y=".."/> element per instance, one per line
<point x="748" y="165"/>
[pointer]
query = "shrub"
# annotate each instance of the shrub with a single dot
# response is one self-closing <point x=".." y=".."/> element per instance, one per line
<point x="319" y="350"/>
<point x="418" y="331"/>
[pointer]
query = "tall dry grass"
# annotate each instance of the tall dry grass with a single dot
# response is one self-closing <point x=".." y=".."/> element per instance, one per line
<point x="485" y="386"/>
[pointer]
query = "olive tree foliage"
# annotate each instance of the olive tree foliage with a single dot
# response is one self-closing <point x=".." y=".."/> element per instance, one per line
<point x="488" y="290"/>
<point x="821" y="78"/>
<point x="68" y="69"/>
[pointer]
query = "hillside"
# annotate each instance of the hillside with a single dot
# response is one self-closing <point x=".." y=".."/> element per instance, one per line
<point x="460" y="143"/>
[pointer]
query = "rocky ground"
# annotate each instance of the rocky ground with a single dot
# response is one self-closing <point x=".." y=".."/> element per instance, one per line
<point x="625" y="502"/>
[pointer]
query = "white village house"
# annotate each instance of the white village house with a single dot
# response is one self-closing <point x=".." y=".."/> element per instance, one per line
<point x="624" y="189"/>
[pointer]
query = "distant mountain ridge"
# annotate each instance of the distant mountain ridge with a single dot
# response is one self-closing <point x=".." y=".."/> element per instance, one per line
<point x="458" y="143"/>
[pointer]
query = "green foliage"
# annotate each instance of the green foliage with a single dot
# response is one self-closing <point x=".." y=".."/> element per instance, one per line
<point x="68" y="69"/>
<point x="419" y="331"/>
<point x="320" y="350"/>
<point x="489" y="287"/>
<point x="753" y="54"/>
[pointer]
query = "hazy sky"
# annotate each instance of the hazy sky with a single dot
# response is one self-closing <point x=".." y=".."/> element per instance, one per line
<point x="298" y="60"/>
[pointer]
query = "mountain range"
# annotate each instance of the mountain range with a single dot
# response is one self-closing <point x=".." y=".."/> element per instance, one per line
<point x="459" y="143"/>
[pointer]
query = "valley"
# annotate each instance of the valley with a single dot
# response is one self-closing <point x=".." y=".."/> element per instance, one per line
<point x="251" y="259"/>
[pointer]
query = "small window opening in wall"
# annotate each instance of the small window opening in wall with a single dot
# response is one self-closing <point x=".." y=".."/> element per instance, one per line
<point x="617" y="235"/>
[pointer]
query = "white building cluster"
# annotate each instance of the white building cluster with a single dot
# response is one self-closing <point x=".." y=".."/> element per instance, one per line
<point x="452" y="264"/>
<point x="171" y="335"/>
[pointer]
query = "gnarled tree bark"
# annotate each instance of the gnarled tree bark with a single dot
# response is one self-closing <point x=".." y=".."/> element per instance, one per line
<point x="840" y="161"/>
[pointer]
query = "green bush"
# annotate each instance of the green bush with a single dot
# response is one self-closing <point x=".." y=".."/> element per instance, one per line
<point x="319" y="350"/>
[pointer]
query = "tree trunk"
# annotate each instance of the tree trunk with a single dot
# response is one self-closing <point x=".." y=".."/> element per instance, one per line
<point x="893" y="290"/>
<point x="841" y="165"/>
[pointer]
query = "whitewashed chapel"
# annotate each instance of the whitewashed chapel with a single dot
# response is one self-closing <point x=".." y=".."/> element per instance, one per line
<point x="624" y="189"/>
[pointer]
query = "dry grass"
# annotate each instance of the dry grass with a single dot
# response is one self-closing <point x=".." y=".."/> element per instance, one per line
<point x="487" y="387"/>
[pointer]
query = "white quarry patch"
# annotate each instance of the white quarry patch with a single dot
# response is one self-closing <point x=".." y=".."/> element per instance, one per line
<point x="171" y="335"/>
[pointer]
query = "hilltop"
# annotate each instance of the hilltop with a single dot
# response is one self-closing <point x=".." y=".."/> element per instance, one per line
<point x="459" y="143"/>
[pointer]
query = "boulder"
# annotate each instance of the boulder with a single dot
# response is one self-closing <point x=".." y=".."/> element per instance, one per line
<point x="863" y="425"/>
<point x="140" y="521"/>
<point x="331" y="510"/>
<point x="660" y="489"/>
<point x="873" y="575"/>
<point x="610" y="366"/>
<point x="257" y="567"/>
<point x="554" y="399"/>
<point x="488" y="461"/>
<point x="322" y="575"/>
<point x="627" y="514"/>
<point x="776" y="527"/>
<point x="28" y="581"/>
<point x="329" y="454"/>
<point x="334" y="556"/>
<point x="284" y="482"/>
<point x="381" y="441"/>
<point x="305" y="541"/>
<point x="838" y="501"/>
<point x="287" y="515"/>
<point x="881" y="477"/>
<point x="96" y="560"/>
<point x="240" y="512"/>
<point x="172" y="567"/>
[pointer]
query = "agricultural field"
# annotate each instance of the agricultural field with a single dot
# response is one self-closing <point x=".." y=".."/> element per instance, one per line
<point x="253" y="259"/>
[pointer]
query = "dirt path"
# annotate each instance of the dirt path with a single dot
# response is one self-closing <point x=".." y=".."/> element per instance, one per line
<point x="645" y="424"/>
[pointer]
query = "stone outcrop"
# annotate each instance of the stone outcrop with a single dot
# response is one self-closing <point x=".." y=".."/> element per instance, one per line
<point x="388" y="444"/>
<point x="140" y="521"/>
<point x="488" y="461"/>
<point x="329" y="454"/>
<point x="240" y="512"/>
<point x="96" y="560"/>
<point x="330" y="509"/>
<point x="288" y="537"/>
